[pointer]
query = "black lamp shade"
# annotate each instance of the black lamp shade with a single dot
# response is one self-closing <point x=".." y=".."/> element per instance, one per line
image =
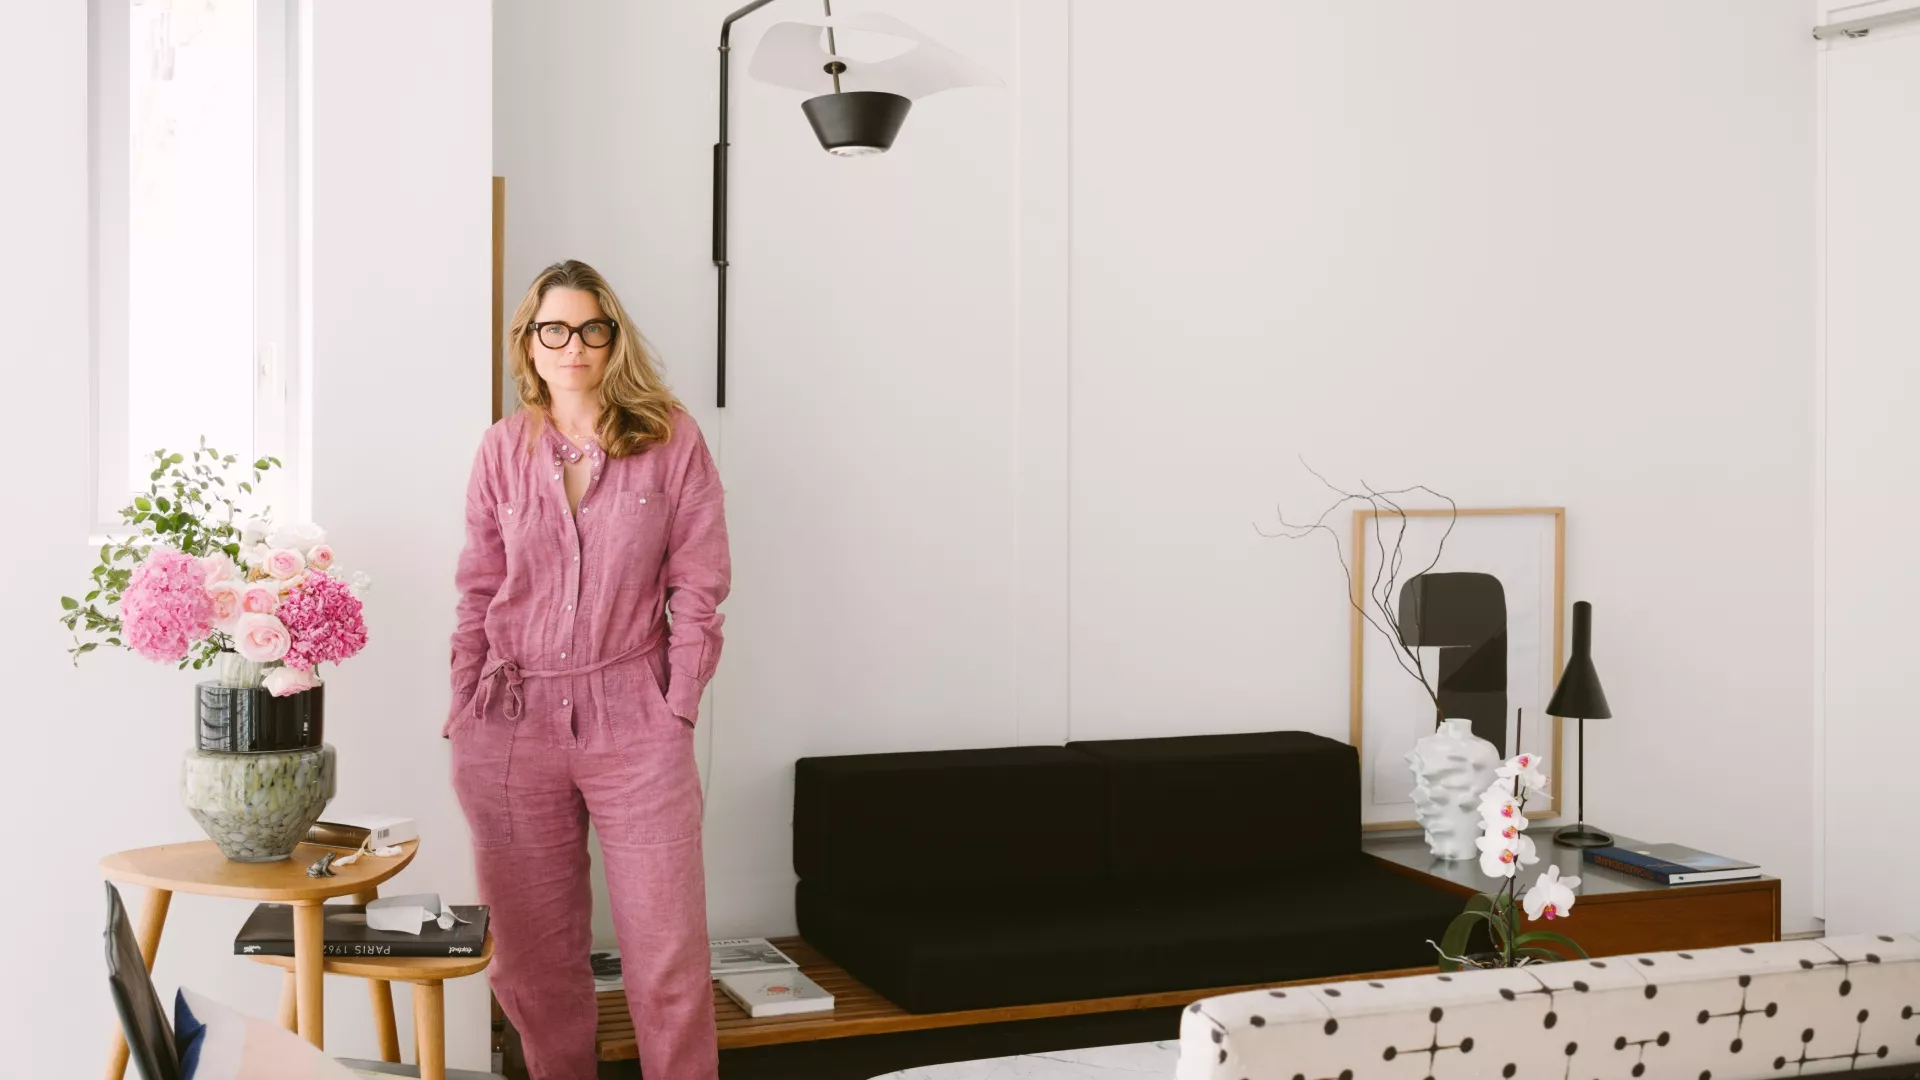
<point x="858" y="122"/>
<point x="1579" y="695"/>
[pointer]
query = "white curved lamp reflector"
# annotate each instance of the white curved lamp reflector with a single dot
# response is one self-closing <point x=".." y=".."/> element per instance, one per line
<point x="791" y="54"/>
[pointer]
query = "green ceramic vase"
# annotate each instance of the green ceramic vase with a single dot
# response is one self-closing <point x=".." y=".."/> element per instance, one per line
<point x="257" y="807"/>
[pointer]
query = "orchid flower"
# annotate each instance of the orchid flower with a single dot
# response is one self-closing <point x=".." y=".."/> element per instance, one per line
<point x="1499" y="856"/>
<point x="1551" y="897"/>
<point x="1499" y="810"/>
<point x="1527" y="768"/>
<point x="1528" y="855"/>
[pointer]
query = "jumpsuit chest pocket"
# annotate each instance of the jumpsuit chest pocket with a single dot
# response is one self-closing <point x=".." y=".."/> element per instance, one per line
<point x="637" y="530"/>
<point x="529" y="540"/>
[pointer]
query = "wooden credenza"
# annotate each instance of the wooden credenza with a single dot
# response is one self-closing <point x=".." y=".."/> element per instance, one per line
<point x="1614" y="913"/>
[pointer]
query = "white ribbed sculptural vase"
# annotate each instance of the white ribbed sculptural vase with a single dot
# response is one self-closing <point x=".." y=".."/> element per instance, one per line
<point x="1452" y="769"/>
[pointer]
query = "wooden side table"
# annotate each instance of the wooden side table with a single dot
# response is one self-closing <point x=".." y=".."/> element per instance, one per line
<point x="428" y="976"/>
<point x="1614" y="914"/>
<point x="200" y="868"/>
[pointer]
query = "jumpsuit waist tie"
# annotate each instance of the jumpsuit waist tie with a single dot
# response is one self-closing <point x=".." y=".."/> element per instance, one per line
<point x="503" y="672"/>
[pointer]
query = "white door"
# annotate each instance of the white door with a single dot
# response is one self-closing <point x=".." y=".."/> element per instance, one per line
<point x="1872" y="767"/>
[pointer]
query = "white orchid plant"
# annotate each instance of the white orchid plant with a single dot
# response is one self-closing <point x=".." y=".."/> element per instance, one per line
<point x="1505" y="848"/>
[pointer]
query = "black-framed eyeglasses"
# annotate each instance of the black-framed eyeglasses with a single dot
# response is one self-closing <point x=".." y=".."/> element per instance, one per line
<point x="594" y="334"/>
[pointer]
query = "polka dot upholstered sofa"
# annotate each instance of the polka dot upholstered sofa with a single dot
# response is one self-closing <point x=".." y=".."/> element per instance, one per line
<point x="1792" y="1008"/>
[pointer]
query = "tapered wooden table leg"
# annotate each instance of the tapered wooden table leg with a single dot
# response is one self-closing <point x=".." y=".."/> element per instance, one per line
<point x="153" y="918"/>
<point x="380" y="992"/>
<point x="289" y="1015"/>
<point x="309" y="967"/>
<point x="430" y="1029"/>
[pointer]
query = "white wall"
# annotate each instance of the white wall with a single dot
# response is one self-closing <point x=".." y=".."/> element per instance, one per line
<point x="1524" y="255"/>
<point x="402" y="130"/>
<point x="1579" y="256"/>
<point x="400" y="196"/>
<point x="1872" y="390"/>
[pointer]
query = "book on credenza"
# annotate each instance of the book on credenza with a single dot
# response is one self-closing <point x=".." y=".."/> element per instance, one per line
<point x="776" y="993"/>
<point x="269" y="932"/>
<point x="726" y="956"/>
<point x="739" y="956"/>
<point x="351" y="830"/>
<point x="1671" y="864"/>
<point x="606" y="970"/>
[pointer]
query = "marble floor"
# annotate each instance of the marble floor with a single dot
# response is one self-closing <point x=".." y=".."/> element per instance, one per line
<point x="1154" y="1059"/>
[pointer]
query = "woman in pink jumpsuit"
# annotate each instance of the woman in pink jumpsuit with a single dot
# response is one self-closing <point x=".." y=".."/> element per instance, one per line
<point x="592" y="513"/>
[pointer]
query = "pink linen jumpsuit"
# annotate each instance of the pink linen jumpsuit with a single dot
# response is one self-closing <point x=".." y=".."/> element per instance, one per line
<point x="575" y="698"/>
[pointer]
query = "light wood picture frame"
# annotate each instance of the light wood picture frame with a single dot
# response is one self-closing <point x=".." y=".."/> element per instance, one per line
<point x="1525" y="548"/>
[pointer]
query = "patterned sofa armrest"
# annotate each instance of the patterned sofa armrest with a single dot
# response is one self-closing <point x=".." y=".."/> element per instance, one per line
<point x="1741" y="1013"/>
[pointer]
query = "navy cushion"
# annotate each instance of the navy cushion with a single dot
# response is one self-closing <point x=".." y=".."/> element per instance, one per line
<point x="1260" y="803"/>
<point x="933" y="821"/>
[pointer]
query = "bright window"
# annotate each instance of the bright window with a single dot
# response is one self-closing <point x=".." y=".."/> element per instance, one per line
<point x="194" y="201"/>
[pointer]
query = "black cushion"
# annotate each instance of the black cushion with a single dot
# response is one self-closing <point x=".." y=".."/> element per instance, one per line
<point x="929" y="822"/>
<point x="1019" y="947"/>
<point x="142" y="1017"/>
<point x="1257" y="803"/>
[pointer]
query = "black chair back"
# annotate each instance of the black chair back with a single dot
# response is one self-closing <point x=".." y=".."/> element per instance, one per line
<point x="142" y="1016"/>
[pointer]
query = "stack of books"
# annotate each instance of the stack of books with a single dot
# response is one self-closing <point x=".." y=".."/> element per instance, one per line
<point x="269" y="932"/>
<point x="1671" y="864"/>
<point x="751" y="971"/>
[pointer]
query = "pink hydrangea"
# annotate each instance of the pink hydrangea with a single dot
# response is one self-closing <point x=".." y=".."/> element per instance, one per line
<point x="165" y="607"/>
<point x="324" y="618"/>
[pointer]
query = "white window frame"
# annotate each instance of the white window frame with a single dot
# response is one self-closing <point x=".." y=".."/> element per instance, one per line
<point x="277" y="361"/>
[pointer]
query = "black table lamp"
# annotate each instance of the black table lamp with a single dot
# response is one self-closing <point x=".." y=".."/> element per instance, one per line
<point x="1580" y="698"/>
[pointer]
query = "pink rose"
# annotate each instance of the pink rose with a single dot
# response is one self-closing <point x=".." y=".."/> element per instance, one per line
<point x="228" y="604"/>
<point x="259" y="600"/>
<point x="282" y="681"/>
<point x="284" y="563"/>
<point x="219" y="567"/>
<point x="261" y="638"/>
<point x="320" y="557"/>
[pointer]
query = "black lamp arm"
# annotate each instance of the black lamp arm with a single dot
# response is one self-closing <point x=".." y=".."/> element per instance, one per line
<point x="720" y="196"/>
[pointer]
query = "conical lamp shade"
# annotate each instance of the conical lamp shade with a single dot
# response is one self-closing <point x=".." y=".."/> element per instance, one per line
<point x="1579" y="695"/>
<point x="858" y="122"/>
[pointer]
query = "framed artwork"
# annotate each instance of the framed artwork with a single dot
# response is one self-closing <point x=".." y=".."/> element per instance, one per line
<point x="1478" y="597"/>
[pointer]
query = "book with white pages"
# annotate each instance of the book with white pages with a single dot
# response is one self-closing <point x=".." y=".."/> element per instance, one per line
<point x="738" y="956"/>
<point x="777" y="993"/>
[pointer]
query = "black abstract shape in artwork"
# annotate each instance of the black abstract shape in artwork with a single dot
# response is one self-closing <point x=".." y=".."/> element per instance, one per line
<point x="1464" y="616"/>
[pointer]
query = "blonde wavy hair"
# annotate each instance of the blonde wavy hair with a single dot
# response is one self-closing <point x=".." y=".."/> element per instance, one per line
<point x="636" y="408"/>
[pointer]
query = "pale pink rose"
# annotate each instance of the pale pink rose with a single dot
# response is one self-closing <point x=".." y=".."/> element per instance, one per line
<point x="283" y="680"/>
<point x="260" y="599"/>
<point x="261" y="638"/>
<point x="320" y="557"/>
<point x="284" y="563"/>
<point x="219" y="567"/>
<point x="228" y="605"/>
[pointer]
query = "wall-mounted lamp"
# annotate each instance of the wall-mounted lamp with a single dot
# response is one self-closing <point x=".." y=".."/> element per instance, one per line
<point x="857" y="113"/>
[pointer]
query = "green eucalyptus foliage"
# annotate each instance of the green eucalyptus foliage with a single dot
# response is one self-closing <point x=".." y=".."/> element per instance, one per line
<point x="190" y="506"/>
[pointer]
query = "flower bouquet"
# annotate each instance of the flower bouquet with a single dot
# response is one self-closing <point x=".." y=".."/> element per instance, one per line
<point x="261" y="603"/>
<point x="1505" y="847"/>
<point x="198" y="584"/>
